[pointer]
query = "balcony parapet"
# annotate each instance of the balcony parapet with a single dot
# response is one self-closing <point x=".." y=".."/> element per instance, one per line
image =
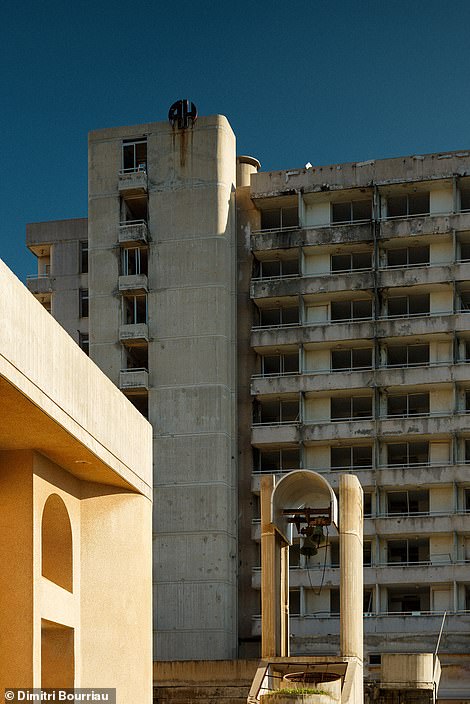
<point x="133" y="181"/>
<point x="133" y="283"/>
<point x="134" y="333"/>
<point x="134" y="380"/>
<point x="133" y="232"/>
<point x="39" y="284"/>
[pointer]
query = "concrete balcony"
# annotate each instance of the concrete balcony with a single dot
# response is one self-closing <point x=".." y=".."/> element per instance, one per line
<point x="132" y="182"/>
<point x="311" y="284"/>
<point x="312" y="236"/>
<point x="423" y="524"/>
<point x="135" y="283"/>
<point x="133" y="232"/>
<point x="39" y="284"/>
<point x="136" y="380"/>
<point x="134" y="333"/>
<point x="425" y="324"/>
<point x="423" y="225"/>
<point x="439" y="424"/>
<point x="328" y="430"/>
<point x="327" y="331"/>
<point x="275" y="434"/>
<point x="425" y="275"/>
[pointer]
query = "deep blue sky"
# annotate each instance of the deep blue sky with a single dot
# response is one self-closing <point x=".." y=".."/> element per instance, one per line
<point x="310" y="80"/>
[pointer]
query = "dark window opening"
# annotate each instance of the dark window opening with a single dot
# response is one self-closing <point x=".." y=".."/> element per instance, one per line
<point x="137" y="358"/>
<point x="277" y="460"/>
<point x="279" y="218"/>
<point x="294" y="601"/>
<point x="352" y="457"/>
<point x="408" y="256"/>
<point x="406" y="600"/>
<point x="83" y="303"/>
<point x="408" y="305"/>
<point x="408" y="453"/>
<point x="278" y="268"/>
<point x="351" y="408"/>
<point x="135" y="309"/>
<point x="134" y="261"/>
<point x="277" y="412"/>
<point x="465" y="199"/>
<point x="408" y="502"/>
<point x="408" y="550"/>
<point x="351" y="262"/>
<point x="352" y="211"/>
<point x="408" y="404"/>
<point x="412" y="204"/>
<point x="407" y="355"/>
<point x="134" y="155"/>
<point x="278" y="364"/>
<point x="83" y="257"/>
<point x="134" y="209"/>
<point x="351" y="310"/>
<point x="334" y="602"/>
<point x="84" y="342"/>
<point x="355" y="358"/>
<point x="367" y="553"/>
<point x="141" y="403"/>
<point x="278" y="316"/>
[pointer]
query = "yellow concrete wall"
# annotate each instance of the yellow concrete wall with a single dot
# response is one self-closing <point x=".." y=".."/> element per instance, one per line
<point x="116" y="582"/>
<point x="16" y="575"/>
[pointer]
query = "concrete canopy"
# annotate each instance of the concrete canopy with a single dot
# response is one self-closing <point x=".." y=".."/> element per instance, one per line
<point x="300" y="489"/>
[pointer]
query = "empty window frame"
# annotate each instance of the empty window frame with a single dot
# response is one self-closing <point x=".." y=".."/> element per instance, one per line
<point x="464" y="199"/>
<point x="408" y="404"/>
<point x="367" y="505"/>
<point x="464" y="251"/>
<point x="411" y="204"/>
<point x="334" y="602"/>
<point x="83" y="257"/>
<point x="83" y="303"/>
<point x="294" y="602"/>
<point x="407" y="355"/>
<point x="282" y="460"/>
<point x="408" y="453"/>
<point x="135" y="309"/>
<point x="406" y="600"/>
<point x="351" y="262"/>
<point x="278" y="364"/>
<point x="134" y="210"/>
<point x="279" y="218"/>
<point x="408" y="550"/>
<point x="134" y="261"/>
<point x="278" y="316"/>
<point x="464" y="301"/>
<point x="354" y="358"/>
<point x="351" y="211"/>
<point x="279" y="411"/>
<point x="407" y="503"/>
<point x="367" y="553"/>
<point x="408" y="256"/>
<point x="278" y="268"/>
<point x="134" y="155"/>
<point x="467" y="451"/>
<point x="351" y="457"/>
<point x="137" y="358"/>
<point x="84" y="342"/>
<point x="141" y="402"/>
<point x="351" y="310"/>
<point x="417" y="304"/>
<point x="351" y="408"/>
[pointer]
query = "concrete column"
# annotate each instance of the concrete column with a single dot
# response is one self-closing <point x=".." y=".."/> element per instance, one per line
<point x="270" y="567"/>
<point x="246" y="165"/>
<point x="351" y="573"/>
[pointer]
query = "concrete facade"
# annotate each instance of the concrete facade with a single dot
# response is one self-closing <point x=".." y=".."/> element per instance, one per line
<point x="76" y="508"/>
<point x="352" y="341"/>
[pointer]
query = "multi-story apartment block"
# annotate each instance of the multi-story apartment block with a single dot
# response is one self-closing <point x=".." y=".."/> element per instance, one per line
<point x="315" y="317"/>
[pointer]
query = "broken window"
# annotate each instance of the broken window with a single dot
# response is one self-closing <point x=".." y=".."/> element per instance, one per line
<point x="134" y="261"/>
<point x="135" y="309"/>
<point x="351" y="457"/>
<point x="408" y="404"/>
<point x="406" y="600"/>
<point x="279" y="218"/>
<point x="408" y="502"/>
<point x="411" y="204"/>
<point x="352" y="309"/>
<point x="277" y="364"/>
<point x="282" y="460"/>
<point x="417" y="304"/>
<point x="355" y="358"/>
<point x="83" y="303"/>
<point x="351" y="262"/>
<point x="134" y="155"/>
<point x="408" y="256"/>
<point x="137" y="358"/>
<point x="279" y="411"/>
<point x="464" y="199"/>
<point x="408" y="550"/>
<point x="278" y="268"/>
<point x="407" y="355"/>
<point x="278" y="316"/>
<point x="134" y="210"/>
<point x="408" y="453"/>
<point x="84" y="342"/>
<point x="351" y="211"/>
<point x="83" y="267"/>
<point x="351" y="408"/>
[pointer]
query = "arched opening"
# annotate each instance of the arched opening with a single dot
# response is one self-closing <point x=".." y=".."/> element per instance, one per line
<point x="57" y="550"/>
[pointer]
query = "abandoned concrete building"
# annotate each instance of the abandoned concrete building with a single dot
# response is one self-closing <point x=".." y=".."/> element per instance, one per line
<point x="309" y="318"/>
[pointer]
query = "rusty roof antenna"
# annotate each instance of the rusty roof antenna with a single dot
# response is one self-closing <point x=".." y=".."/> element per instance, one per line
<point x="182" y="114"/>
